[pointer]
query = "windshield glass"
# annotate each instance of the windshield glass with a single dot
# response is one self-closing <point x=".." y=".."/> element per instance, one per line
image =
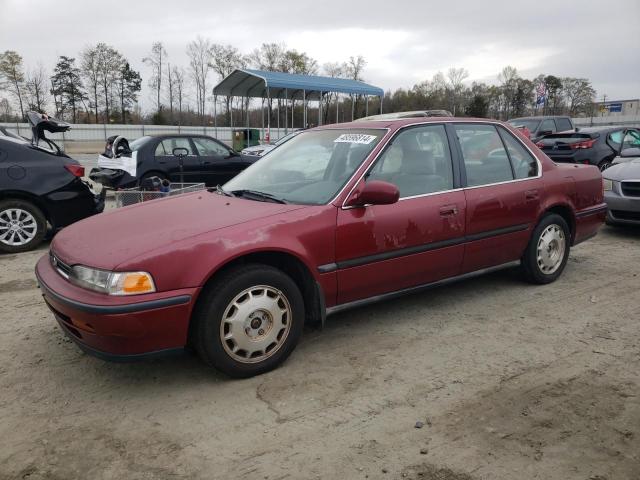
<point x="310" y="168"/>
<point x="530" y="124"/>
<point x="138" y="143"/>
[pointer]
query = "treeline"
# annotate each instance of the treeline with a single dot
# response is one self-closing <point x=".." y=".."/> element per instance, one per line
<point x="99" y="86"/>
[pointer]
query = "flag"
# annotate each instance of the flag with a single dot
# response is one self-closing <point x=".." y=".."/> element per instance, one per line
<point x="541" y="94"/>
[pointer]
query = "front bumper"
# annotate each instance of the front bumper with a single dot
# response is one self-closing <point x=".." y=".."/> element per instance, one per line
<point x="117" y="328"/>
<point x="622" y="209"/>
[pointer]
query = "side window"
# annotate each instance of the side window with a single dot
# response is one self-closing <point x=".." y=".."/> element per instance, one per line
<point x="207" y="146"/>
<point x="631" y="139"/>
<point x="485" y="159"/>
<point x="615" y="139"/>
<point x="167" y="146"/>
<point x="563" y="124"/>
<point x="523" y="162"/>
<point x="417" y="161"/>
<point x="548" y="126"/>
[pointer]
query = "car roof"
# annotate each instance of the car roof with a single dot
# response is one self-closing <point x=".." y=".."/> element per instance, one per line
<point x="402" y="122"/>
<point x="538" y="117"/>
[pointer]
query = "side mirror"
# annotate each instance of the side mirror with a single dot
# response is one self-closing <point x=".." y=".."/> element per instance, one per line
<point x="630" y="152"/>
<point x="375" y="192"/>
<point x="545" y="132"/>
<point x="180" y="152"/>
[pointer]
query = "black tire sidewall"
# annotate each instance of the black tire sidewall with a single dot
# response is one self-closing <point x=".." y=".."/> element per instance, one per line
<point x="208" y="316"/>
<point x="530" y="262"/>
<point x="41" y="224"/>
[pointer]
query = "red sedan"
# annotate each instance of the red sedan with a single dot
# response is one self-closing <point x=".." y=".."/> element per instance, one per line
<point x="339" y="216"/>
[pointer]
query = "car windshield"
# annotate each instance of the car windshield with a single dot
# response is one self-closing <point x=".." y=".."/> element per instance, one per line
<point x="531" y="125"/>
<point x="138" y="143"/>
<point x="309" y="169"/>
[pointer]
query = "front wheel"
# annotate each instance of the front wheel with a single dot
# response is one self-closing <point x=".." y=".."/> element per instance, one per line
<point x="248" y="321"/>
<point x="548" y="250"/>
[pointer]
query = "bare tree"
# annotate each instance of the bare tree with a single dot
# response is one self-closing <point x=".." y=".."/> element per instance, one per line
<point x="333" y="70"/>
<point x="171" y="86"/>
<point x="353" y="69"/>
<point x="66" y="87"/>
<point x="110" y="63"/>
<point x="12" y="75"/>
<point x="199" y="53"/>
<point x="224" y="60"/>
<point x="579" y="94"/>
<point x="155" y="61"/>
<point x="37" y="88"/>
<point x="90" y="67"/>
<point x="177" y="75"/>
<point x="456" y="76"/>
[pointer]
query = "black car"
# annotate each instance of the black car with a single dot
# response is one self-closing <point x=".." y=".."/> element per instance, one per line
<point x="178" y="158"/>
<point x="39" y="186"/>
<point x="540" y="126"/>
<point x="591" y="145"/>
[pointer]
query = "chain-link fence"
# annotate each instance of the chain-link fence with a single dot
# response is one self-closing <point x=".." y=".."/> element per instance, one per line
<point x="131" y="196"/>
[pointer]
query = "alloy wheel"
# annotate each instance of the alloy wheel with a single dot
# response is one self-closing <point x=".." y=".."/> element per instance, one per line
<point x="17" y="227"/>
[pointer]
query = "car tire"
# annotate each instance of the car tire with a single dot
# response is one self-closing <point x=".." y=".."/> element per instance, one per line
<point x="604" y="164"/>
<point x="23" y="226"/>
<point x="248" y="321"/>
<point x="548" y="250"/>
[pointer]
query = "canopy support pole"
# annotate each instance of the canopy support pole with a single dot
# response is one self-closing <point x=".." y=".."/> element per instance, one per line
<point x="381" y="97"/>
<point x="366" y="106"/>
<point x="304" y="109"/>
<point x="320" y="109"/>
<point x="215" y="116"/>
<point x="286" y="112"/>
<point x="353" y="107"/>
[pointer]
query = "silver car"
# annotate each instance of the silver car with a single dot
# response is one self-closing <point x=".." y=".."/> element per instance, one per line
<point x="262" y="150"/>
<point x="622" y="190"/>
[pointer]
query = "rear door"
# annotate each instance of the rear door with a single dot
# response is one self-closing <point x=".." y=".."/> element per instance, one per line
<point x="218" y="162"/>
<point x="503" y="191"/>
<point x="170" y="164"/>
<point x="417" y="240"/>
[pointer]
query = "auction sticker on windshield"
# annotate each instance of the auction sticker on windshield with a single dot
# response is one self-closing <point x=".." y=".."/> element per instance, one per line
<point x="355" y="138"/>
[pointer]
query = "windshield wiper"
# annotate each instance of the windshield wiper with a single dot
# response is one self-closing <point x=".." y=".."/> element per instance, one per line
<point x="221" y="191"/>
<point x="258" y="195"/>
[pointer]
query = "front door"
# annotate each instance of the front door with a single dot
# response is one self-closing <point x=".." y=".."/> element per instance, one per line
<point x="503" y="194"/>
<point x="218" y="163"/>
<point x="419" y="239"/>
<point x="168" y="163"/>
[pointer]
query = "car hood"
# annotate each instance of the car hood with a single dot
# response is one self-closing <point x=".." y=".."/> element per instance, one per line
<point x="624" y="171"/>
<point x="257" y="148"/>
<point x="109" y="239"/>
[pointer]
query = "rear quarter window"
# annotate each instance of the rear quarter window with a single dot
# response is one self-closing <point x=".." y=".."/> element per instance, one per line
<point x="563" y="124"/>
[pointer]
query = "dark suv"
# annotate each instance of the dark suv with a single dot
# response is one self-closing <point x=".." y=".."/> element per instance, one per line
<point x="538" y="127"/>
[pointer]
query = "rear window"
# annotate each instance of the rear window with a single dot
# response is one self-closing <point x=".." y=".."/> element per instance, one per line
<point x="563" y="124"/>
<point x="138" y="143"/>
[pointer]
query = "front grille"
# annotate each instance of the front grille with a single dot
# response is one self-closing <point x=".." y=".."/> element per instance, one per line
<point x="631" y="189"/>
<point x="62" y="268"/>
<point x="625" y="215"/>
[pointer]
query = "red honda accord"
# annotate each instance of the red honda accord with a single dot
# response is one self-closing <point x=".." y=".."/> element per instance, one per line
<point x="337" y="217"/>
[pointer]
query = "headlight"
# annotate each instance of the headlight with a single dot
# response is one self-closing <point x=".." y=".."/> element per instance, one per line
<point x="607" y="184"/>
<point x="112" y="283"/>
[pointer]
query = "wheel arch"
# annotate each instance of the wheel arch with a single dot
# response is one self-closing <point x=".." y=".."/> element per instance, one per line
<point x="29" y="197"/>
<point x="288" y="263"/>
<point x="566" y="212"/>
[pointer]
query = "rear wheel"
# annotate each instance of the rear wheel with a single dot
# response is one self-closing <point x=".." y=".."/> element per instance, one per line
<point x="248" y="321"/>
<point x="22" y="226"/>
<point x="548" y="250"/>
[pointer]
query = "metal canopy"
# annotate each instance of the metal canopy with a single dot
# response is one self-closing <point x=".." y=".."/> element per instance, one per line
<point x="265" y="84"/>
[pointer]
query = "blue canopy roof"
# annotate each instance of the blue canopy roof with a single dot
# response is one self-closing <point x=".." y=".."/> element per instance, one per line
<point x="262" y="83"/>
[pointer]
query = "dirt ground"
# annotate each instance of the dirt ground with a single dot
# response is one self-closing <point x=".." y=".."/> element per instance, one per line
<point x="509" y="380"/>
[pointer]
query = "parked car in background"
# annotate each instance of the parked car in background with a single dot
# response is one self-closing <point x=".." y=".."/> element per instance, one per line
<point x="207" y="160"/>
<point x="337" y="217"/>
<point x="409" y="114"/>
<point x="538" y="127"/>
<point x="622" y="189"/>
<point x="597" y="146"/>
<point x="39" y="186"/>
<point x="261" y="150"/>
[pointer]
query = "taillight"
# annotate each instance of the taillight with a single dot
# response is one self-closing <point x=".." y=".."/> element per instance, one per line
<point x="75" y="170"/>
<point x="582" y="145"/>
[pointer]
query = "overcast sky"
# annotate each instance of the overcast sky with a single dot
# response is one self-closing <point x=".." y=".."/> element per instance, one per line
<point x="404" y="42"/>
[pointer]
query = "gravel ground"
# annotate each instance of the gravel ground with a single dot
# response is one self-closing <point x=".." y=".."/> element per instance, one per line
<point x="505" y="379"/>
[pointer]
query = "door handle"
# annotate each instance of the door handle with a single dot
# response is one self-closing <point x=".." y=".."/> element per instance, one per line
<point x="448" y="210"/>
<point x="531" y="195"/>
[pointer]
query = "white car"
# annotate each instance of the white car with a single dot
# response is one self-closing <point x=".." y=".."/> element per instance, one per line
<point x="260" y="150"/>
